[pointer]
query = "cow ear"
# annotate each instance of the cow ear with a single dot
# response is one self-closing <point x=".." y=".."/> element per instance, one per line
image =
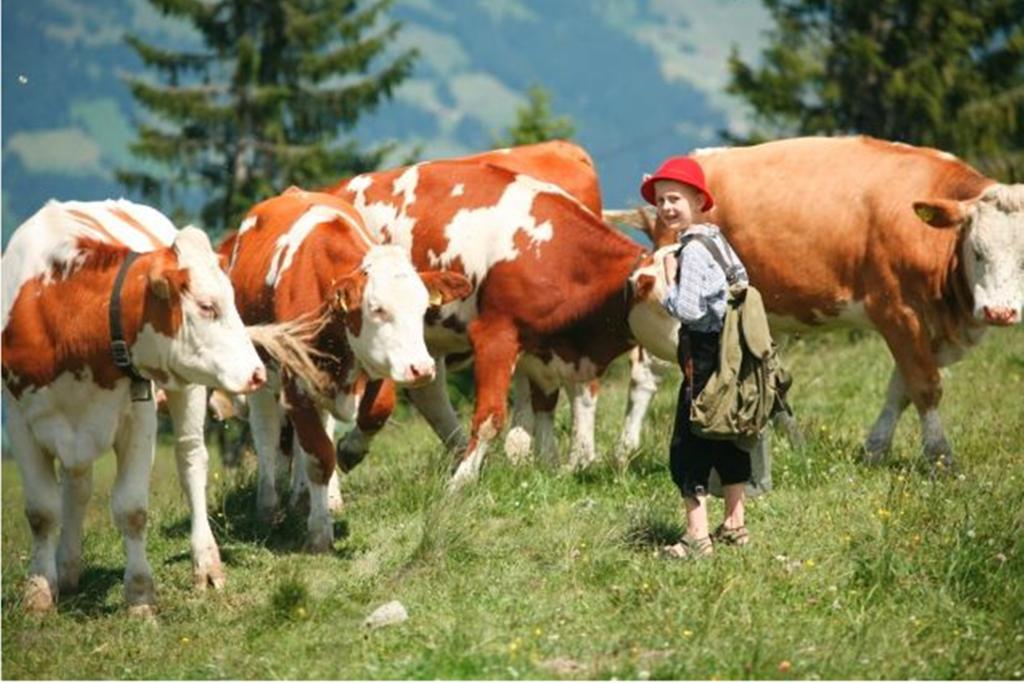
<point x="643" y="287"/>
<point x="222" y="261"/>
<point x="941" y="213"/>
<point x="166" y="280"/>
<point x="348" y="295"/>
<point x="445" y="286"/>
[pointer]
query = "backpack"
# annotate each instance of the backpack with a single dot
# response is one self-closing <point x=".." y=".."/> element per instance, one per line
<point x="749" y="386"/>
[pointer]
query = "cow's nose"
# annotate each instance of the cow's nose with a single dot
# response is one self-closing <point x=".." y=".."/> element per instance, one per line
<point x="258" y="379"/>
<point x="421" y="372"/>
<point x="1000" y="315"/>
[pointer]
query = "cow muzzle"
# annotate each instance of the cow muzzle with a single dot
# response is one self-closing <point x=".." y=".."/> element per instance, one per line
<point x="418" y="374"/>
<point x="256" y="380"/>
<point x="1001" y="315"/>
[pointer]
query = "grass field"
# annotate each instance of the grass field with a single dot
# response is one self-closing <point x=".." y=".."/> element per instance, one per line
<point x="854" y="571"/>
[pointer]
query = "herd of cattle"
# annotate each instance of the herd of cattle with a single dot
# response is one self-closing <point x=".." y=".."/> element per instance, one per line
<point x="322" y="302"/>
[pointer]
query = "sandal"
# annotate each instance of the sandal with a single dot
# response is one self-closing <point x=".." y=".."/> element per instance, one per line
<point x="731" y="536"/>
<point x="689" y="548"/>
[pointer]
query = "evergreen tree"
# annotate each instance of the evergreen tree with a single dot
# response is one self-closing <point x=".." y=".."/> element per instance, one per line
<point x="941" y="73"/>
<point x="261" y="105"/>
<point x="535" y="122"/>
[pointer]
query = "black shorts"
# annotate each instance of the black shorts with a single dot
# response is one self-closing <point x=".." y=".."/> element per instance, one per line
<point x="691" y="457"/>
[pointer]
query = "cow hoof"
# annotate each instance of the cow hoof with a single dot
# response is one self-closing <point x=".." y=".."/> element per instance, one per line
<point x="146" y="612"/>
<point x="874" y="453"/>
<point x="320" y="544"/>
<point x="38" y="598"/>
<point x="139" y="590"/>
<point x="209" y="577"/>
<point x="518" y="445"/>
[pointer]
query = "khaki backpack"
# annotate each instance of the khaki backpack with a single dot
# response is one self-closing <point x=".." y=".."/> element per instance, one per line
<point x="750" y="384"/>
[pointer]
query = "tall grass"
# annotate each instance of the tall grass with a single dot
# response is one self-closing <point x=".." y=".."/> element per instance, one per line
<point x="854" y="571"/>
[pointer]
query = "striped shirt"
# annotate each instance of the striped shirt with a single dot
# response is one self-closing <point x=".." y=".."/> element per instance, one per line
<point x="698" y="296"/>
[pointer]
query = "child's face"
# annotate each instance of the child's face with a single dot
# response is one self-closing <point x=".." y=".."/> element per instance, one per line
<point x="678" y="204"/>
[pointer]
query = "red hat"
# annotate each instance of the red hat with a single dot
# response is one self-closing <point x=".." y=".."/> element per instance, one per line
<point x="683" y="170"/>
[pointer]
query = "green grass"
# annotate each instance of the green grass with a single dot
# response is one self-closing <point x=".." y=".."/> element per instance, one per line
<point x="854" y="572"/>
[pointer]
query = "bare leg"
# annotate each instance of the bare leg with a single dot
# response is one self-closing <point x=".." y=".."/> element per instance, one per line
<point x="879" y="441"/>
<point x="583" y="453"/>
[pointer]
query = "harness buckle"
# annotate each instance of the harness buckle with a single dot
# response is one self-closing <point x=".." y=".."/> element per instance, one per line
<point x="122" y="355"/>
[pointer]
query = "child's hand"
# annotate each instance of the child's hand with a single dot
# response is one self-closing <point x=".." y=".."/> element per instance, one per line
<point x="671" y="266"/>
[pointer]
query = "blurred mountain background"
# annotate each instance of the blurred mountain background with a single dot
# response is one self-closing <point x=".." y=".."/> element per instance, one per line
<point x="640" y="79"/>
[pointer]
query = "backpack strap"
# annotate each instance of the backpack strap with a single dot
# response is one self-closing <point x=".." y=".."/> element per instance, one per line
<point x="730" y="270"/>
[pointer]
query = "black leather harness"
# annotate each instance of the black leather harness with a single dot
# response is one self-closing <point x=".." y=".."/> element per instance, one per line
<point x="141" y="388"/>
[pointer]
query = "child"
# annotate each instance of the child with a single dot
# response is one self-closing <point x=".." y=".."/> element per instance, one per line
<point x="697" y="298"/>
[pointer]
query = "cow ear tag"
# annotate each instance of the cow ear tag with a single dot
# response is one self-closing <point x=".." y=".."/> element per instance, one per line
<point x="339" y="301"/>
<point x="925" y="213"/>
<point x="436" y="298"/>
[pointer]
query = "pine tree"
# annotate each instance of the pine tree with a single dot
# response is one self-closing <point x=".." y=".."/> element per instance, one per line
<point x="261" y="105"/>
<point x="535" y="122"/>
<point x="940" y="73"/>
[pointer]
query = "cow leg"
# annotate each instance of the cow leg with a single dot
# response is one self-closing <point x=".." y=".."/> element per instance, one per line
<point x="544" y="404"/>
<point x="375" y="408"/>
<point x="433" y="403"/>
<point x="917" y="364"/>
<point x="879" y="440"/>
<point x="320" y="464"/>
<point x="299" y="497"/>
<point x="42" y="508"/>
<point x="582" y="452"/>
<point x="495" y="344"/>
<point x="188" y="413"/>
<point x="645" y="374"/>
<point x="135" y="445"/>
<point x="519" y="439"/>
<point x="265" y="422"/>
<point x="76" y="489"/>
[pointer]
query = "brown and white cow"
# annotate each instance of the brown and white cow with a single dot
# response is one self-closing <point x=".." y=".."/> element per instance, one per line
<point x="66" y="400"/>
<point x="549" y="277"/>
<point x="306" y="255"/>
<point x="860" y="232"/>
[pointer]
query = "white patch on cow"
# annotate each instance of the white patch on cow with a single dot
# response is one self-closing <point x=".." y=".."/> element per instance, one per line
<point x="458" y="190"/>
<point x="380" y="215"/>
<point x="288" y="244"/>
<point x="247" y="225"/>
<point x="406" y="183"/>
<point x="48" y="241"/>
<point x="483" y="237"/>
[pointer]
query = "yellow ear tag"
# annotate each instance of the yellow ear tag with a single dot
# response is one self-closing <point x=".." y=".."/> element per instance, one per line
<point x="436" y="298"/>
<point x="339" y="301"/>
<point x="925" y="213"/>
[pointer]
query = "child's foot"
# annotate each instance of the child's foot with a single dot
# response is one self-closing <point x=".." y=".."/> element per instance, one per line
<point x="689" y="548"/>
<point x="731" y="535"/>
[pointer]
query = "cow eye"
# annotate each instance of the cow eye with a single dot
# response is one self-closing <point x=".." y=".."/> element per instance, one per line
<point x="380" y="313"/>
<point x="208" y="310"/>
<point x="978" y="256"/>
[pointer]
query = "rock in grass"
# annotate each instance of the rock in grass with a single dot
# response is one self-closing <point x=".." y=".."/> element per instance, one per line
<point x="387" y="614"/>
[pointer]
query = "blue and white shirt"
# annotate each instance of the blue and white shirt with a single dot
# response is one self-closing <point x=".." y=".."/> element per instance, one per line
<point x="698" y="297"/>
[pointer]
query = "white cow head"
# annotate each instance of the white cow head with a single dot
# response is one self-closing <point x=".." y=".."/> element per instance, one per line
<point x="651" y="324"/>
<point x="385" y="301"/>
<point x="992" y="249"/>
<point x="192" y="332"/>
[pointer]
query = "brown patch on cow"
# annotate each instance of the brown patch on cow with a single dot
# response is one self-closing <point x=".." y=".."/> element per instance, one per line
<point x="62" y="326"/>
<point x="376" y="404"/>
<point x="643" y="287"/>
<point x="135" y="523"/>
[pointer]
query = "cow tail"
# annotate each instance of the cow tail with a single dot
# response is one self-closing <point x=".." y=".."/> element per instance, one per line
<point x="292" y="346"/>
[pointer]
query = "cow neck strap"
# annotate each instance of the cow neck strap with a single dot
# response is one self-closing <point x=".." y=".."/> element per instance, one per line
<point x="141" y="388"/>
